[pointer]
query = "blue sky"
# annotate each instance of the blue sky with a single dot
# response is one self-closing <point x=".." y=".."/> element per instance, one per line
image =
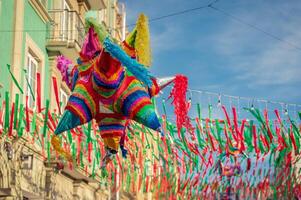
<point x="221" y="55"/>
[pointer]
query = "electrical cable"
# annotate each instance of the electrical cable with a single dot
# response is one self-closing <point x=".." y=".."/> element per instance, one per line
<point x="254" y="27"/>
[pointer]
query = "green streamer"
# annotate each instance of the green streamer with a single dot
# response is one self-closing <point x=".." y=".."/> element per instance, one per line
<point x="88" y="132"/>
<point x="289" y="138"/>
<point x="20" y="130"/>
<point x="73" y="147"/>
<point x="164" y="109"/>
<point x="46" y="118"/>
<point x="168" y="143"/>
<point x="98" y="156"/>
<point x="128" y="178"/>
<point x="69" y="135"/>
<point x="33" y="126"/>
<point x="210" y="112"/>
<point x="285" y="138"/>
<point x="219" y="131"/>
<point x="257" y="115"/>
<point x="82" y="165"/>
<point x="147" y="142"/>
<point x="29" y="86"/>
<point x="93" y="168"/>
<point x="199" y="111"/>
<point x="48" y="151"/>
<point x="260" y="145"/>
<point x="14" y="79"/>
<point x="184" y="142"/>
<point x="200" y="140"/>
<point x="172" y="129"/>
<point x="16" y="110"/>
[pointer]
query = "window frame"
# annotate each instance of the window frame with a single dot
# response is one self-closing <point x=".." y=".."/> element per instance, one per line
<point x="32" y="68"/>
<point x="63" y="95"/>
<point x="66" y="8"/>
<point x="32" y="48"/>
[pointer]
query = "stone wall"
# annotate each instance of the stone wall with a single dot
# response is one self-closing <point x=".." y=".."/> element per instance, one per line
<point x="41" y="180"/>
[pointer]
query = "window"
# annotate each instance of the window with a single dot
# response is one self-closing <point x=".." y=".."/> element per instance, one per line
<point x="32" y="67"/>
<point x="64" y="20"/>
<point x="34" y="61"/>
<point x="63" y="98"/>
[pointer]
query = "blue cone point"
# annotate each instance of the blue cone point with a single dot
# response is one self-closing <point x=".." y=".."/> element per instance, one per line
<point x="67" y="122"/>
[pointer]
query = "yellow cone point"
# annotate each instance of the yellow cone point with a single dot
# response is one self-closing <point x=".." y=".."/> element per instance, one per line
<point x="142" y="41"/>
<point x="56" y="143"/>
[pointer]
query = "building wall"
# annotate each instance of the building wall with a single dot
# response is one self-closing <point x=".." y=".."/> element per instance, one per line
<point x="20" y="20"/>
<point x="6" y="39"/>
<point x="42" y="180"/>
<point x="37" y="30"/>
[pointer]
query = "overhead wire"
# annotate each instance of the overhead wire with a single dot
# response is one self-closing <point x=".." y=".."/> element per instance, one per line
<point x="254" y="27"/>
<point x="210" y="5"/>
<point x="150" y="20"/>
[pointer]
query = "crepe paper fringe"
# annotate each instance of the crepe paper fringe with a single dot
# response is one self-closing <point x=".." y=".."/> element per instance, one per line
<point x="181" y="105"/>
<point x="142" y="41"/>
<point x="63" y="65"/>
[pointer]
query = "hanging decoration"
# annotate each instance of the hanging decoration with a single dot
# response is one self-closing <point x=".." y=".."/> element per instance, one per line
<point x="111" y="108"/>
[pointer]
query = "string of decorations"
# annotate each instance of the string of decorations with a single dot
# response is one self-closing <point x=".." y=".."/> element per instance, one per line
<point x="224" y="156"/>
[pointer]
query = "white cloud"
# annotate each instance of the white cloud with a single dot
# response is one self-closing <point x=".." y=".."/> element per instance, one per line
<point x="165" y="39"/>
<point x="260" y="59"/>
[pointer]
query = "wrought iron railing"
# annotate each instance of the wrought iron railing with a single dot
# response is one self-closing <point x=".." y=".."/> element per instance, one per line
<point x="67" y="26"/>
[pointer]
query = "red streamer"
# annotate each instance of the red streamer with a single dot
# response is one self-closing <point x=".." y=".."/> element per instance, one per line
<point x="27" y="115"/>
<point x="178" y="94"/>
<point x="39" y="92"/>
<point x="229" y="123"/>
<point x="90" y="148"/>
<point x="56" y="93"/>
<point x="10" y="133"/>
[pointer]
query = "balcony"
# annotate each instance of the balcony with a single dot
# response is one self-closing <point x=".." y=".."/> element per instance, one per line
<point x="97" y="4"/>
<point x="66" y="33"/>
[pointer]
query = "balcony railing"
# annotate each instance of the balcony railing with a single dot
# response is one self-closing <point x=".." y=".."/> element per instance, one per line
<point x="67" y="27"/>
